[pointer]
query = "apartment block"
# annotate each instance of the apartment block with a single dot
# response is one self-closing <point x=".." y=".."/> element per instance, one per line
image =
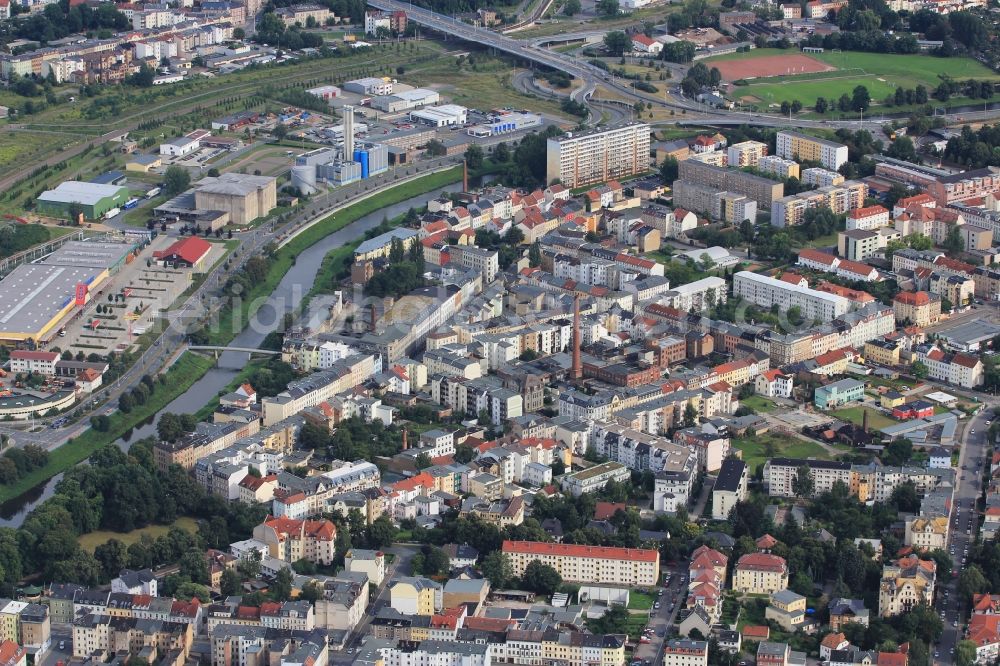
<point x="796" y="146"/>
<point x="842" y="198"/>
<point x="760" y="573"/>
<point x="730" y="488"/>
<point x="746" y="153"/>
<point x="685" y="653"/>
<point x="821" y="177"/>
<point x="594" y="478"/>
<point x="730" y="207"/>
<point x="291" y="540"/>
<point x="577" y="563"/>
<point x="778" y="166"/>
<point x="905" y="583"/>
<point x="767" y="291"/>
<point x="762" y="190"/>
<point x="597" y="156"/>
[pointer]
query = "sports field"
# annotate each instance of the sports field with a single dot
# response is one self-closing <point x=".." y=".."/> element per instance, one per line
<point x="880" y="73"/>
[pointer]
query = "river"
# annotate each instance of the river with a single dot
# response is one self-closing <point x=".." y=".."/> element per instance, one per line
<point x="285" y="298"/>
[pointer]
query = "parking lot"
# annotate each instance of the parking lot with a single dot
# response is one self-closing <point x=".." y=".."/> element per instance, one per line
<point x="103" y="325"/>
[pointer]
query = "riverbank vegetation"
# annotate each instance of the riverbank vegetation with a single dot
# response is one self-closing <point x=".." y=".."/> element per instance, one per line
<point x="178" y="379"/>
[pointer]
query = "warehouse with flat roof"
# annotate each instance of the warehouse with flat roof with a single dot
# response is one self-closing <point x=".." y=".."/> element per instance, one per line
<point x="94" y="199"/>
<point x="35" y="298"/>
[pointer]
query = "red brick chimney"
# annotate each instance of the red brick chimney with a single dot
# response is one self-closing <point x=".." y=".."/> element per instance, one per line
<point x="465" y="176"/>
<point x="405" y="444"/>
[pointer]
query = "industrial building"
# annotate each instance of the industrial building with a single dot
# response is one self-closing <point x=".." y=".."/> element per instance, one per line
<point x="34" y="298"/>
<point x="404" y="101"/>
<point x="244" y="197"/>
<point x="444" y="115"/>
<point x="93" y="199"/>
<point x="597" y="156"/>
<point x="340" y="166"/>
<point x="505" y="124"/>
<point x="369" y="86"/>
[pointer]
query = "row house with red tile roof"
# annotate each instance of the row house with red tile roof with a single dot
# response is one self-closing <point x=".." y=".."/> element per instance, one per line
<point x="707" y="581"/>
<point x="760" y="573"/>
<point x="984" y="631"/>
<point x="959" y="369"/>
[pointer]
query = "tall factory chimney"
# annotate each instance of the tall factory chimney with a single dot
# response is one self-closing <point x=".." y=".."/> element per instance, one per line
<point x="348" y="133"/>
<point x="577" y="364"/>
<point x="465" y="176"/>
<point x="373" y="321"/>
<point x="405" y="444"/>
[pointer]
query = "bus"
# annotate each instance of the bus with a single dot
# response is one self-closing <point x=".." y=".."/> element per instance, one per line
<point x="130" y="204"/>
<point x="152" y="193"/>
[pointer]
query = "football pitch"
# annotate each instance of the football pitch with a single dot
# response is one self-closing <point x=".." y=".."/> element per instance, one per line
<point x="834" y="73"/>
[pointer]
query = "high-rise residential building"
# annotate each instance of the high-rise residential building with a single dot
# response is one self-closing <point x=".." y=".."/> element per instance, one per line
<point x="843" y="198"/>
<point x="762" y="190"/>
<point x="597" y="156"/>
<point x="746" y="153"/>
<point x="796" y="146"/>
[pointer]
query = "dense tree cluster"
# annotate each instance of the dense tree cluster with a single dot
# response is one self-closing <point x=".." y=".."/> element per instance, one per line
<point x="17" y="237"/>
<point x="528" y="166"/>
<point x="354" y="439"/>
<point x="271" y="30"/>
<point x="121" y="492"/>
<point x="16" y="462"/>
<point x="975" y="149"/>
<point x="60" y="20"/>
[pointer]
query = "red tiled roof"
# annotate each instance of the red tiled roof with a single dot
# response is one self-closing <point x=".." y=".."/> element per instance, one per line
<point x="762" y="562"/>
<point x="573" y="550"/>
<point x="24" y="355"/>
<point x="855" y="267"/>
<point x="913" y="298"/>
<point x="191" y="249"/>
<point x="867" y="211"/>
<point x="756" y="631"/>
<point x="817" y="256"/>
<point x="984" y="629"/>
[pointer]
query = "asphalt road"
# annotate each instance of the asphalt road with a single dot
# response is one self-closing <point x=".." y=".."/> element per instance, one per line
<point x="964" y="523"/>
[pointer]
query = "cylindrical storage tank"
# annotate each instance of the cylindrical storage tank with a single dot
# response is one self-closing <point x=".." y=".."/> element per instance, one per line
<point x="304" y="178"/>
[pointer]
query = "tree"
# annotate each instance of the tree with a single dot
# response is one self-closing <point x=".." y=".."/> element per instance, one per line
<point x="541" y="578"/>
<point x="381" y="533"/>
<point x="501" y="153"/>
<point x="169" y="428"/>
<point x="571" y="7"/>
<point x="231" y="584"/>
<point x="474" y="156"/>
<point x="497" y="569"/>
<point x="144" y="77"/>
<point x="607" y="7"/>
<point x="821" y="105"/>
<point x="802" y="484"/>
<point x="953" y="243"/>
<point x="919" y="370"/>
<point x="435" y="148"/>
<point x="423" y="461"/>
<point x="617" y="42"/>
<point x="535" y="254"/>
<point x="861" y="99"/>
<point x="112" y="557"/>
<point x="175" y="180"/>
<point x="249" y="566"/>
<point x="281" y="588"/>
<point x="971" y="581"/>
<point x="280" y="131"/>
<point x="965" y="653"/>
<point x="669" y="169"/>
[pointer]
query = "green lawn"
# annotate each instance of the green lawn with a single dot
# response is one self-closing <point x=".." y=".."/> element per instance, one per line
<point x="92" y="540"/>
<point x="756" y="450"/>
<point x="759" y="404"/>
<point x="855" y="415"/>
<point x="185" y="372"/>
<point x="880" y="73"/>
<point x="640" y="600"/>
